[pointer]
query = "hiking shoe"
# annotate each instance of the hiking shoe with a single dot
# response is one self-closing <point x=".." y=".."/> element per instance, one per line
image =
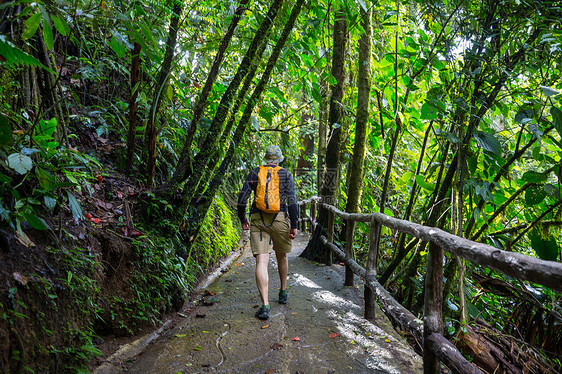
<point x="283" y="296"/>
<point x="263" y="312"/>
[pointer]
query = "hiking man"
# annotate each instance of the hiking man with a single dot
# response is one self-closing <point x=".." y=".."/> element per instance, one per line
<point x="273" y="219"/>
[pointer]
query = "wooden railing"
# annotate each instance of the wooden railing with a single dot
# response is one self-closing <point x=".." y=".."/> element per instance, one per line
<point x="428" y="332"/>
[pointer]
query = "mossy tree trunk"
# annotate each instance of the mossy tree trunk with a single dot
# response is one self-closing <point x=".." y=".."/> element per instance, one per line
<point x="201" y="206"/>
<point x="315" y="250"/>
<point x="152" y="130"/>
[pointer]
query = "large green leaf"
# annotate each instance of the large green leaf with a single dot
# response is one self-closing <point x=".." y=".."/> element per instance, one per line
<point x="14" y="56"/>
<point x="5" y="131"/>
<point x="545" y="248"/>
<point x="524" y="116"/>
<point x="46" y="180"/>
<point x="20" y="163"/>
<point x="117" y="47"/>
<point x="420" y="180"/>
<point x="61" y="25"/>
<point x="534" y="177"/>
<point x="548" y="92"/>
<point x="535" y="194"/>
<point x="557" y="119"/>
<point x="489" y="143"/>
<point x="31" y="26"/>
<point x="48" y="35"/>
<point x="35" y="222"/>
<point x="75" y="207"/>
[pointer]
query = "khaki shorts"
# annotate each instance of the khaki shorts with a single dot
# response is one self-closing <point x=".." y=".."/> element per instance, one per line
<point x="264" y="233"/>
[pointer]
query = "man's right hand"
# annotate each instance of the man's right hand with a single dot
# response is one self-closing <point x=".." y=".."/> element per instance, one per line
<point x="246" y="226"/>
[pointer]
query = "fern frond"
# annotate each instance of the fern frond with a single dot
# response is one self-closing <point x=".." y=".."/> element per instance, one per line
<point x="13" y="57"/>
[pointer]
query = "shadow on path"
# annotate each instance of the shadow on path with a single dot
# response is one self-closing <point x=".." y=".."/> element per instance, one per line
<point x="320" y="330"/>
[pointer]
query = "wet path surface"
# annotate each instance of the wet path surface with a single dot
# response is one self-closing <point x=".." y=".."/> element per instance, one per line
<point x="320" y="330"/>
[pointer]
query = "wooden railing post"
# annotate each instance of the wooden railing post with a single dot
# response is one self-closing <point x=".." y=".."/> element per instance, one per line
<point x="312" y="215"/>
<point x="433" y="304"/>
<point x="349" y="252"/>
<point x="330" y="236"/>
<point x="371" y="270"/>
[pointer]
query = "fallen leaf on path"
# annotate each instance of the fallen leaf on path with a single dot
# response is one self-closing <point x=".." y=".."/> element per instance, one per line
<point x="209" y="293"/>
<point x="21" y="279"/>
<point x="180" y="335"/>
<point x="95" y="220"/>
<point x="386" y="341"/>
<point x="88" y="216"/>
<point x="334" y="335"/>
<point x="182" y="315"/>
<point x="239" y="264"/>
<point x="197" y="348"/>
<point x="269" y="371"/>
<point x="294" y="313"/>
<point x="265" y="327"/>
<point x="342" y="264"/>
<point x="296" y="339"/>
<point x="23" y="239"/>
<point x="206" y="332"/>
<point x="276" y="346"/>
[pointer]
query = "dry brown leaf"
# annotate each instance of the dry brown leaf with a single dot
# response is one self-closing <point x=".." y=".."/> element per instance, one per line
<point x="20" y="278"/>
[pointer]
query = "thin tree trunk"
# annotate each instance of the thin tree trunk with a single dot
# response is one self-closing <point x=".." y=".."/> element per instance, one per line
<point x="184" y="165"/>
<point x="315" y="249"/>
<point x="151" y="132"/>
<point x="359" y="148"/>
<point x="133" y="107"/>
<point x="322" y="130"/>
<point x="218" y="175"/>
<point x="210" y="145"/>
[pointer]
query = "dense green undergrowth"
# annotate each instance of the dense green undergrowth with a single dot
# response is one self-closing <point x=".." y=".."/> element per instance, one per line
<point x="55" y="315"/>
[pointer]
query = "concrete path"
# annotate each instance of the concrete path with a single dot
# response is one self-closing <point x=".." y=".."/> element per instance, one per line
<point x="320" y="330"/>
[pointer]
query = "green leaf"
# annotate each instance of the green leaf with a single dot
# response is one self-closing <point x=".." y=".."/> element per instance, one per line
<point x="50" y="202"/>
<point x="46" y="180"/>
<point x="75" y="207"/>
<point x="14" y="56"/>
<point x="61" y="25"/>
<point x="420" y="180"/>
<point x="534" y="177"/>
<point x="545" y="248"/>
<point x="557" y="119"/>
<point x="117" y="47"/>
<point x="20" y="163"/>
<point x="4" y="213"/>
<point x="31" y="26"/>
<point x="489" y="143"/>
<point x="524" y="116"/>
<point x="48" y="36"/>
<point x="548" y="92"/>
<point x="47" y="128"/>
<point x="535" y="194"/>
<point x="35" y="222"/>
<point x="428" y="111"/>
<point x="5" y="131"/>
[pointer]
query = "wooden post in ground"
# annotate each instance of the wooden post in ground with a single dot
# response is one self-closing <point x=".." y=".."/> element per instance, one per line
<point x="349" y="252"/>
<point x="330" y="236"/>
<point x="312" y="215"/>
<point x="433" y="304"/>
<point x="371" y="270"/>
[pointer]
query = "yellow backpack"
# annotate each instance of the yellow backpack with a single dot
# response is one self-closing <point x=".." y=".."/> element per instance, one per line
<point x="268" y="199"/>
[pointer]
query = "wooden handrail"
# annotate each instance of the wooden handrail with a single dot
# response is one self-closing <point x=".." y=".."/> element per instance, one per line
<point x="547" y="273"/>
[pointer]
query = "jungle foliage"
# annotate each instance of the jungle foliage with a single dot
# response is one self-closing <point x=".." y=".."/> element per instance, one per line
<point x="462" y="129"/>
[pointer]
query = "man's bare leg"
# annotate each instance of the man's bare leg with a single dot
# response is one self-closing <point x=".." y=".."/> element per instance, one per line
<point x="262" y="276"/>
<point x="283" y="267"/>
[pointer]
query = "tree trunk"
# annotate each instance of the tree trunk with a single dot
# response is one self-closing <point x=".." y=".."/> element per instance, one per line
<point x="151" y="132"/>
<point x="218" y="176"/>
<point x="359" y="148"/>
<point x="202" y="103"/>
<point x="315" y="250"/>
<point x="209" y="148"/>
<point x="133" y="107"/>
